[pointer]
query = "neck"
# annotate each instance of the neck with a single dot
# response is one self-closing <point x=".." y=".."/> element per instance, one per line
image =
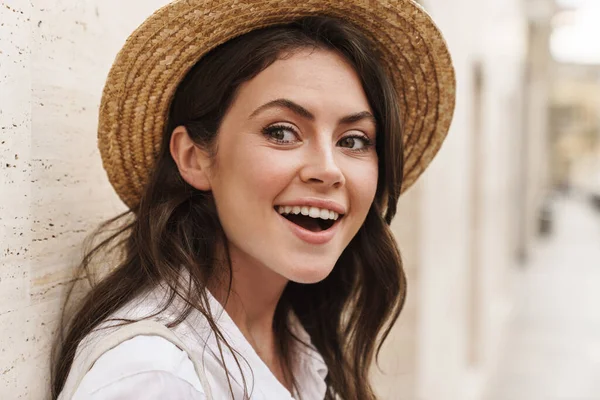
<point x="251" y="303"/>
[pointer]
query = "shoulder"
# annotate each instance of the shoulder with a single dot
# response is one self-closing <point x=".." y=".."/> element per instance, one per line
<point x="148" y="367"/>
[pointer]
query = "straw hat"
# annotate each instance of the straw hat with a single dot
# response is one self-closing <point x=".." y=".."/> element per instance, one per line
<point x="156" y="57"/>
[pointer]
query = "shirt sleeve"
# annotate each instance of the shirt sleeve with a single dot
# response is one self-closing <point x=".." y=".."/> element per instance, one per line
<point x="145" y="367"/>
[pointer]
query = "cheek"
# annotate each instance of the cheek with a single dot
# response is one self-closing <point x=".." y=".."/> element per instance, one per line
<point x="255" y="176"/>
<point x="361" y="180"/>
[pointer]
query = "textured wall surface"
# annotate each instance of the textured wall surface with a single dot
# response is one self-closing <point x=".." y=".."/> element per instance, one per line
<point x="18" y="332"/>
<point x="54" y="57"/>
<point x="468" y="207"/>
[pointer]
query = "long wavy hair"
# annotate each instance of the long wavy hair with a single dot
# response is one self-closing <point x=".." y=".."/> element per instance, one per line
<point x="348" y="315"/>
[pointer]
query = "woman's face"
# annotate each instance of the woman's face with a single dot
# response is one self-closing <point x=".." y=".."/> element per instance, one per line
<point x="299" y="137"/>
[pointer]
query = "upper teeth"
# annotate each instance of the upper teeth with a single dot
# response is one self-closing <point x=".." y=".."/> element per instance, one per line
<point x="313" y="212"/>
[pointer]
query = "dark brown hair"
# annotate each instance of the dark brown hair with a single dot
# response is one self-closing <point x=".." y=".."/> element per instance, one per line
<point x="348" y="314"/>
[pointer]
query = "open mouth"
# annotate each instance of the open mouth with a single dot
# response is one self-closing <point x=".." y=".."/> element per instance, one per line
<point x="303" y="218"/>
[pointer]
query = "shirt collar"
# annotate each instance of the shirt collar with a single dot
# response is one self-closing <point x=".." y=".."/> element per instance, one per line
<point x="309" y="369"/>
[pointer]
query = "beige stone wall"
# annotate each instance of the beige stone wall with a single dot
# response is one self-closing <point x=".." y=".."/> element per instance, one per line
<point x="17" y="330"/>
<point x="475" y="207"/>
<point x="54" y="57"/>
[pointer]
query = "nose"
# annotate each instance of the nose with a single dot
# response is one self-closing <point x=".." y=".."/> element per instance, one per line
<point x="321" y="167"/>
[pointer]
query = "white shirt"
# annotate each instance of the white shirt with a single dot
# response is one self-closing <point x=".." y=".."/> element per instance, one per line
<point x="151" y="367"/>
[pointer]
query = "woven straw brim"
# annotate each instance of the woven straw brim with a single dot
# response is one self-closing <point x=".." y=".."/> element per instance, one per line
<point x="156" y="57"/>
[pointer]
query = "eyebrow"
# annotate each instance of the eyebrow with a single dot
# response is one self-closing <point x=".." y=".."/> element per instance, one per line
<point x="304" y="113"/>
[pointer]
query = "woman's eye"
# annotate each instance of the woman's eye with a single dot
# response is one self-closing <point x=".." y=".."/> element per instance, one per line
<point x="360" y="143"/>
<point x="280" y="134"/>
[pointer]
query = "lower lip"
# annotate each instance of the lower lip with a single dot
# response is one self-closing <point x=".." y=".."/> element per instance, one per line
<point x="311" y="237"/>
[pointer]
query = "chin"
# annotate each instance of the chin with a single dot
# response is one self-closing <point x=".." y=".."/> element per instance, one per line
<point x="309" y="274"/>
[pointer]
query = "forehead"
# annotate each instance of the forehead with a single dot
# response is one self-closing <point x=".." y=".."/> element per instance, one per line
<point x="315" y="78"/>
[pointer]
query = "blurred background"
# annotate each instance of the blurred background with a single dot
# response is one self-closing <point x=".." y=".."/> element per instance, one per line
<point x="500" y="238"/>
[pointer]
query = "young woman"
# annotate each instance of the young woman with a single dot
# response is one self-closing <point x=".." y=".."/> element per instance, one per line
<point x="261" y="147"/>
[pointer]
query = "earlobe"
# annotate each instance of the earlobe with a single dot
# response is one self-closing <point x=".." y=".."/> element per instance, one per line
<point x="191" y="160"/>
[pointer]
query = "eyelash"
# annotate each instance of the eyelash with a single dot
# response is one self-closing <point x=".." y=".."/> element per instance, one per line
<point x="269" y="130"/>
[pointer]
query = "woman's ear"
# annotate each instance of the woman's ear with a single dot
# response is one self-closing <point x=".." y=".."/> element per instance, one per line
<point x="191" y="160"/>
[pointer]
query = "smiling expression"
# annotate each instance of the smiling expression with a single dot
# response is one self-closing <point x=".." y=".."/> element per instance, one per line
<point x="299" y="138"/>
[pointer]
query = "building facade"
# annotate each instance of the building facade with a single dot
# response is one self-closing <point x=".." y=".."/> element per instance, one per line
<point x="467" y="226"/>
